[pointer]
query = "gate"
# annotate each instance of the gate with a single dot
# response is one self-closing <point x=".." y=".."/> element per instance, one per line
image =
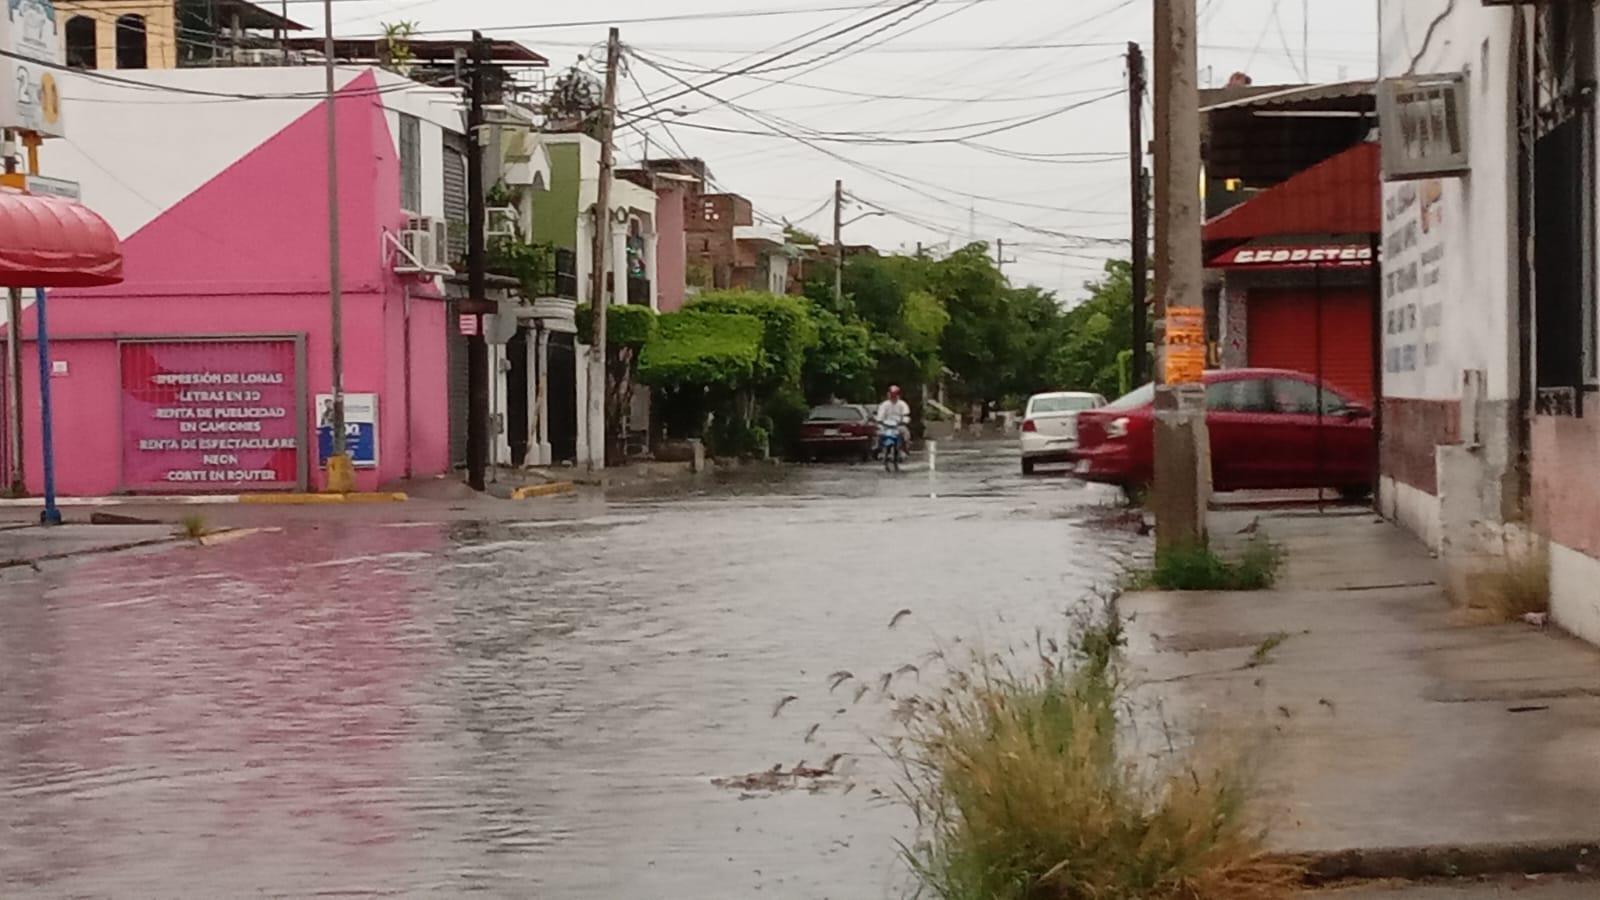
<point x="563" y="398"/>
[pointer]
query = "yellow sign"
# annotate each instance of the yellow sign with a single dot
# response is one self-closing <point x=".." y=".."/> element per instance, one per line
<point x="1185" y="345"/>
<point x="49" y="99"/>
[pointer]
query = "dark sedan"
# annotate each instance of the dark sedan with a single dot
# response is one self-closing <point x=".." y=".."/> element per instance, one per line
<point x="838" y="429"/>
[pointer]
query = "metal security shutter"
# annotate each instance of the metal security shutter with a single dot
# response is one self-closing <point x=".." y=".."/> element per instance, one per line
<point x="1283" y="335"/>
<point x="455" y="193"/>
<point x="456" y="377"/>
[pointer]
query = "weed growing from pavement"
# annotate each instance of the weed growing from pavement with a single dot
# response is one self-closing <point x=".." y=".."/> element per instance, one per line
<point x="1200" y="568"/>
<point x="1514" y="586"/>
<point x="1025" y="788"/>
<point x="194" y="527"/>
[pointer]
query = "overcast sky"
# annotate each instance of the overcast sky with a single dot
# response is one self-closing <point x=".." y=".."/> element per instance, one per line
<point x="953" y="69"/>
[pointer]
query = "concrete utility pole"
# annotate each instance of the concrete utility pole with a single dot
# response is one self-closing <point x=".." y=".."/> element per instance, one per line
<point x="340" y="473"/>
<point x="838" y="245"/>
<point x="477" y="263"/>
<point x="1182" y="447"/>
<point x="1141" y="215"/>
<point x="598" y="428"/>
<point x="14" y="358"/>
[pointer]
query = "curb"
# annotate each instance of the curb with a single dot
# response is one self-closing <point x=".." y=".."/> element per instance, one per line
<point x="1426" y="863"/>
<point x="319" y="499"/>
<point x="529" y="492"/>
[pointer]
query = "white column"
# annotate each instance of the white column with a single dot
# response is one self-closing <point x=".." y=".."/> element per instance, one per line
<point x="650" y="242"/>
<point x="540" y="449"/>
<point x="619" y="265"/>
<point x="584" y="257"/>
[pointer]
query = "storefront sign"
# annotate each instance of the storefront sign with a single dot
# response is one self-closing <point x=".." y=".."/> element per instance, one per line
<point x="30" y="57"/>
<point x="1280" y="257"/>
<point x="1185" y="345"/>
<point x="211" y="416"/>
<point x="360" y="428"/>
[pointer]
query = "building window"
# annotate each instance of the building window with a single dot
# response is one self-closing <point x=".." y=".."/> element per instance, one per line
<point x="410" y="164"/>
<point x="133" y="46"/>
<point x="83" y="43"/>
<point x="1566" y="361"/>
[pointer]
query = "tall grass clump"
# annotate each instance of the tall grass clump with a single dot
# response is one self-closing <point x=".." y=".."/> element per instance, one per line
<point x="1024" y="790"/>
<point x="1200" y="568"/>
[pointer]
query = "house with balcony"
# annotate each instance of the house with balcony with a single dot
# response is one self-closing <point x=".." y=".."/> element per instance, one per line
<point x="119" y="35"/>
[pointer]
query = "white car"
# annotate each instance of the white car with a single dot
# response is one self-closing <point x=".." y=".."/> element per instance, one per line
<point x="1050" y="426"/>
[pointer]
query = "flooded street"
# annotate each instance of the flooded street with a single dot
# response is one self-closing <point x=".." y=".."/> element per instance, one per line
<point x="519" y="709"/>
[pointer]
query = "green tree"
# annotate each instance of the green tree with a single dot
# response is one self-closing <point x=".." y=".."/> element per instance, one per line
<point x="842" y="362"/>
<point x="1098" y="336"/>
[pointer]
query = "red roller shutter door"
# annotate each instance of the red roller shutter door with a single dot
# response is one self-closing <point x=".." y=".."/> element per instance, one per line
<point x="1283" y="335"/>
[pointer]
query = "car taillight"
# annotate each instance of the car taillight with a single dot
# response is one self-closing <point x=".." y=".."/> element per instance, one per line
<point x="1117" y="428"/>
<point x="1030" y="426"/>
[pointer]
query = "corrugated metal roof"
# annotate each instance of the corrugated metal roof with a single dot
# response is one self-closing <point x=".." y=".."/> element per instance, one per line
<point x="1337" y="196"/>
<point x="1287" y="96"/>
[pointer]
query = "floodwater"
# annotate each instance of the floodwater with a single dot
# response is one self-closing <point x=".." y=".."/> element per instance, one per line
<point x="519" y="709"/>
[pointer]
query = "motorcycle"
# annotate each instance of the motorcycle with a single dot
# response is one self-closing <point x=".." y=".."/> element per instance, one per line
<point x="890" y="444"/>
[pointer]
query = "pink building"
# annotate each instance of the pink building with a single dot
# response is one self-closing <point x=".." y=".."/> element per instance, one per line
<point x="675" y="181"/>
<point x="202" y="371"/>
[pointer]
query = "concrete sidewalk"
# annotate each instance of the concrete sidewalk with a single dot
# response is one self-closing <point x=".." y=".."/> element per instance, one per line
<point x="22" y="546"/>
<point x="1385" y="720"/>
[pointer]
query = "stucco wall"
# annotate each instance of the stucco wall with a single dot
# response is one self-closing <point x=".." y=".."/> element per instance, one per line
<point x="221" y="220"/>
<point x="671" y="248"/>
<point x="160" y="29"/>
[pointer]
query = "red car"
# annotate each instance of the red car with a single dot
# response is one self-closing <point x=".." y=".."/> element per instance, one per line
<point x="1265" y="434"/>
<point x="838" y="429"/>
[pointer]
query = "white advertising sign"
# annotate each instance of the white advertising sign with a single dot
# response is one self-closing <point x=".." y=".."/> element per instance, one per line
<point x="30" y="56"/>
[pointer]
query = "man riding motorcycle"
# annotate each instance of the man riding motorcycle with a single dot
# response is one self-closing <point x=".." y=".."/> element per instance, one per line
<point x="894" y="408"/>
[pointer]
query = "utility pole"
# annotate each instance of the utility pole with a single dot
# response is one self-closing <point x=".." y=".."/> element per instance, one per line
<point x="340" y="473"/>
<point x="13" y="357"/>
<point x="1000" y="256"/>
<point x="1141" y="214"/>
<point x="599" y="429"/>
<point x="838" y="245"/>
<point x="1182" y="447"/>
<point x="477" y="289"/>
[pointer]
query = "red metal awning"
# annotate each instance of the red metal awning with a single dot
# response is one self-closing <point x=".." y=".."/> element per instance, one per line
<point x="50" y="242"/>
<point x="1336" y="196"/>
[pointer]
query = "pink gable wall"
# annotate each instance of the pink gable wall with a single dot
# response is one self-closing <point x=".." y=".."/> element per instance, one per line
<point x="247" y="253"/>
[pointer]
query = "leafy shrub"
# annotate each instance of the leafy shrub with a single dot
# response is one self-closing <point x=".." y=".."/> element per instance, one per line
<point x="695" y="349"/>
<point x="627" y="326"/>
<point x="735" y="438"/>
<point x="787" y="331"/>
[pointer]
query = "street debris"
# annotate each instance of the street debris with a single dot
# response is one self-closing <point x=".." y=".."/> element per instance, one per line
<point x="776" y="779"/>
<point x="898" y="616"/>
<point x="782" y="703"/>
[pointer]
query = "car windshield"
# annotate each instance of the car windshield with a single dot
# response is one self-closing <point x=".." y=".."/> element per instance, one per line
<point x="1060" y="404"/>
<point x="836" y="414"/>
<point x="1140" y="397"/>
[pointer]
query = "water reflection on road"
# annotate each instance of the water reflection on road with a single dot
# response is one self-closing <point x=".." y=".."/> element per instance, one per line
<point x="527" y="708"/>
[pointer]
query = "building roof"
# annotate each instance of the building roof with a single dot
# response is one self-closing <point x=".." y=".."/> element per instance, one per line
<point x="1264" y="134"/>
<point x="1337" y="196"/>
<point x="51" y="242"/>
<point x="425" y="52"/>
<point x="251" y="15"/>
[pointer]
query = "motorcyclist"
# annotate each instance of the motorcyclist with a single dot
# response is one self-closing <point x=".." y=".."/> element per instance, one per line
<point x="894" y="407"/>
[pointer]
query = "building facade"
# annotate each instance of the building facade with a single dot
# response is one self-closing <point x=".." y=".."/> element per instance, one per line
<point x="208" y="369"/>
<point x="1491" y="419"/>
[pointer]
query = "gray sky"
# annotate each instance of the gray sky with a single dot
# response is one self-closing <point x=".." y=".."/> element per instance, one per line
<point x="952" y="70"/>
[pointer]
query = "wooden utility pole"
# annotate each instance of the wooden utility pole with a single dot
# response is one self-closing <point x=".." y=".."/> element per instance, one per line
<point x="597" y="426"/>
<point x="1182" y="447"/>
<point x="838" y="245"/>
<point x="1141" y="215"/>
<point x="477" y="274"/>
<point x="1000" y="256"/>
<point x="341" y="477"/>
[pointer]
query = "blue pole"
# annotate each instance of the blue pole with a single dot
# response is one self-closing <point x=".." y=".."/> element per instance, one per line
<point x="51" y="515"/>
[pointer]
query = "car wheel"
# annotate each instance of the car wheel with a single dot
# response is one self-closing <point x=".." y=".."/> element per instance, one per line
<point x="1027" y="467"/>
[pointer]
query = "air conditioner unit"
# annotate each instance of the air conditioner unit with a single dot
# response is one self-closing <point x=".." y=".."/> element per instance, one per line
<point x="420" y="249"/>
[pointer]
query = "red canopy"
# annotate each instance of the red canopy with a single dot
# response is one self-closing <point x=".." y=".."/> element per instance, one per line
<point x="51" y="242"/>
<point x="1336" y="196"/>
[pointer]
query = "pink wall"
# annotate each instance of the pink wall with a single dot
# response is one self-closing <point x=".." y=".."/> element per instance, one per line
<point x="671" y="248"/>
<point x="1566" y="497"/>
<point x="245" y="254"/>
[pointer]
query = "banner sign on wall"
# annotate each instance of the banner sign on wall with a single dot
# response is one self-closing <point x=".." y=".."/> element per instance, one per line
<point x="360" y="428"/>
<point x="30" y="61"/>
<point x="211" y="416"/>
